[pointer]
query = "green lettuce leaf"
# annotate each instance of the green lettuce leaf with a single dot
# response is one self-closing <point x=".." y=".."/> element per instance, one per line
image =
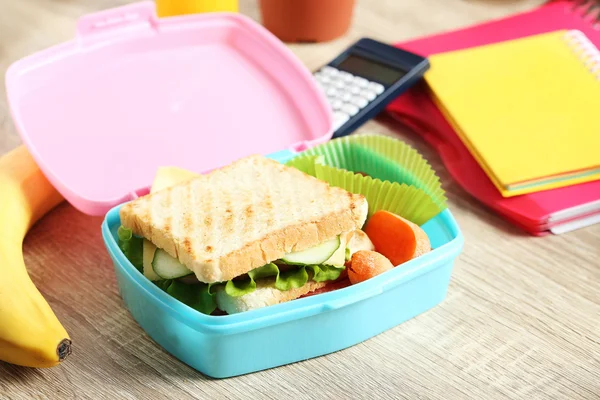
<point x="132" y="247"/>
<point x="163" y="284"/>
<point x="201" y="296"/>
<point x="291" y="279"/>
<point x="196" y="296"/>
<point x="287" y="280"/>
<point x="264" y="272"/>
<point x="239" y="287"/>
<point x="322" y="273"/>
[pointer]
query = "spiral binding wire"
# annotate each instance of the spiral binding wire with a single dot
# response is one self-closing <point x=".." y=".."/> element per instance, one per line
<point x="585" y="50"/>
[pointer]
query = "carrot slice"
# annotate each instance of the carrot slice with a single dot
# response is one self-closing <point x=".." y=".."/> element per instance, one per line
<point x="396" y="238"/>
<point x="366" y="264"/>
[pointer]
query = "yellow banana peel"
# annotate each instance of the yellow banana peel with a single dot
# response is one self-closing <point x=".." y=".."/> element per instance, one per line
<point x="30" y="333"/>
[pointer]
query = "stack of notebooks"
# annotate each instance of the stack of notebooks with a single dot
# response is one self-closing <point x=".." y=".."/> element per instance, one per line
<point x="511" y="106"/>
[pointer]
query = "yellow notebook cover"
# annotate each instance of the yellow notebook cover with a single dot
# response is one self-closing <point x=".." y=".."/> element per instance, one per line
<point x="526" y="109"/>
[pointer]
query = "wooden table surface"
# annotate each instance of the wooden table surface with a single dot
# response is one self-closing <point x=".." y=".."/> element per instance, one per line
<point x="521" y="319"/>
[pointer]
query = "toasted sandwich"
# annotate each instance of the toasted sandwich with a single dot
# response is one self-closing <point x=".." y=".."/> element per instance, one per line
<point x="254" y="233"/>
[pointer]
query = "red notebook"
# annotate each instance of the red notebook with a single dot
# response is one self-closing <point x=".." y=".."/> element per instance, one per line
<point x="558" y="210"/>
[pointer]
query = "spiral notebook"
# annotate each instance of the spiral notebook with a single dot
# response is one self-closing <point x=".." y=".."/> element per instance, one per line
<point x="526" y="108"/>
<point x="557" y="210"/>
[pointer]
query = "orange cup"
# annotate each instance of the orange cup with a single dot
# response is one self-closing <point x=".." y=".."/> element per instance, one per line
<point x="307" y="20"/>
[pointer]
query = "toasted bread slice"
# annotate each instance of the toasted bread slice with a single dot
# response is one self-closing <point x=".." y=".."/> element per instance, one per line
<point x="264" y="295"/>
<point x="243" y="216"/>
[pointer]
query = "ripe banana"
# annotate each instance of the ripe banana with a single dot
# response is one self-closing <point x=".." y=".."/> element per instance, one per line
<point x="30" y="333"/>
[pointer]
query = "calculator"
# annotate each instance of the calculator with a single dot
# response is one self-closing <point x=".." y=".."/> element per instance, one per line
<point x="364" y="79"/>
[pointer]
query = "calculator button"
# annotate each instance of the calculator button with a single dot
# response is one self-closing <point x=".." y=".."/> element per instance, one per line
<point x="338" y="84"/>
<point x="329" y="71"/>
<point x="331" y="92"/>
<point x="354" y="90"/>
<point x="344" y="96"/>
<point x="346" y="77"/>
<point x="336" y="104"/>
<point x="367" y="94"/>
<point x="350" y="109"/>
<point x="324" y="79"/>
<point x="376" y="87"/>
<point x="339" y="119"/>
<point x="360" y="82"/>
<point x="359" y="102"/>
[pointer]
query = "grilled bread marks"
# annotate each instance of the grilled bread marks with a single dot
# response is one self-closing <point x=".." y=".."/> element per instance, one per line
<point x="273" y="210"/>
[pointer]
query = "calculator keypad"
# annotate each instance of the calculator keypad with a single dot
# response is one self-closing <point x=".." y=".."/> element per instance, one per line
<point x="347" y="94"/>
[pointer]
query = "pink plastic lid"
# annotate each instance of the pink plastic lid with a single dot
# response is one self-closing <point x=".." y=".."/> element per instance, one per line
<point x="132" y="92"/>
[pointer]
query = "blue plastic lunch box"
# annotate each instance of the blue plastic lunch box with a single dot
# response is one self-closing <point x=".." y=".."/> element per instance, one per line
<point x="225" y="346"/>
<point x="131" y="93"/>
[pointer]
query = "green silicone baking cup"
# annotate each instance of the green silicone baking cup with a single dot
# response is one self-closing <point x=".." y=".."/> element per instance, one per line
<point x="382" y="157"/>
<point x="398" y="179"/>
<point x="399" y="198"/>
<point x="306" y="164"/>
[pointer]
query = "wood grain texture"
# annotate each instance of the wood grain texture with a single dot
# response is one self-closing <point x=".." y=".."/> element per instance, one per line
<point x="521" y="320"/>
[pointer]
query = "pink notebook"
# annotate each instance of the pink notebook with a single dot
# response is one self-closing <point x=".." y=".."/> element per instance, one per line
<point x="556" y="211"/>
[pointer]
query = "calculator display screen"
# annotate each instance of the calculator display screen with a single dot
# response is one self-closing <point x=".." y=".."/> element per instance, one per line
<point x="371" y="70"/>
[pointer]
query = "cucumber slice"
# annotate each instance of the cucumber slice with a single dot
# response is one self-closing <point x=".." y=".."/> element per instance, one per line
<point x="168" y="267"/>
<point x="149" y="250"/>
<point x="315" y="255"/>
<point x="338" y="258"/>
